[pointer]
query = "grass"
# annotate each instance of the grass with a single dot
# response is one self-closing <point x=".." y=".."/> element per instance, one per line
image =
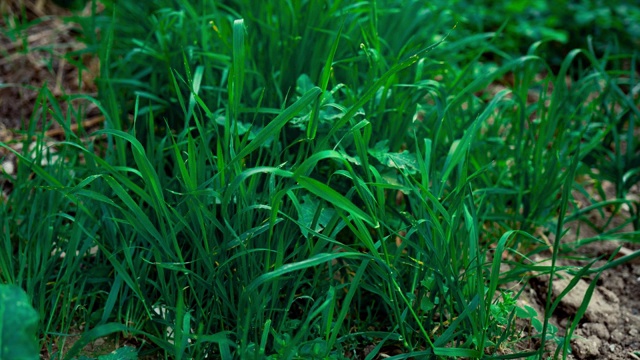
<point x="312" y="180"/>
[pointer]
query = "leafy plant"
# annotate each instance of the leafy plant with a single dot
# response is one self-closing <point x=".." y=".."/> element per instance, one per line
<point x="309" y="180"/>
<point x="18" y="325"/>
<point x="123" y="353"/>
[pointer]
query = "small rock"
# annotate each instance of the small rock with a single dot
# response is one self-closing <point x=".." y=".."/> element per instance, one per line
<point x="597" y="329"/>
<point x="586" y="348"/>
<point x="604" y="303"/>
<point x="47" y="151"/>
<point x="633" y="332"/>
<point x="564" y="322"/>
<point x="617" y="336"/>
<point x="615" y="283"/>
<point x="8" y="167"/>
<point x="609" y="295"/>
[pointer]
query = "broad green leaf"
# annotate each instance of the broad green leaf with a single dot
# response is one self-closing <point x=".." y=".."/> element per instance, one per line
<point x="403" y="161"/>
<point x="123" y="353"/>
<point x="304" y="84"/>
<point x="18" y="325"/>
<point x="243" y="128"/>
<point x="335" y="198"/>
<point x="307" y="213"/>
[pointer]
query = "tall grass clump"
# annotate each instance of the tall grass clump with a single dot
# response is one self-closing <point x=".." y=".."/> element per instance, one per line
<point x="304" y="180"/>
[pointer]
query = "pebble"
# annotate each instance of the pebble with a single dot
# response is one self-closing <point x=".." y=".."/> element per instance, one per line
<point x="597" y="329"/>
<point x="586" y="348"/>
<point x="617" y="336"/>
<point x="604" y="303"/>
<point x="8" y="167"/>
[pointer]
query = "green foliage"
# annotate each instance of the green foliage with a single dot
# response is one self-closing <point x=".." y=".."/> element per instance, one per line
<point x="123" y="353"/>
<point x="312" y="179"/>
<point x="18" y="325"/>
<point x="567" y="24"/>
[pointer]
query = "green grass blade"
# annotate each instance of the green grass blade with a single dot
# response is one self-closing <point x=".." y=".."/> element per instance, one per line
<point x="276" y="124"/>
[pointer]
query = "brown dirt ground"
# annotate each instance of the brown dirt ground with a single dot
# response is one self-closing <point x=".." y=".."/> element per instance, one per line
<point x="38" y="55"/>
<point x="609" y="328"/>
<point x="36" y="51"/>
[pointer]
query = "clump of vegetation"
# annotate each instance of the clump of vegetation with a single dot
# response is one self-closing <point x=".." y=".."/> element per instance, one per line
<point x="313" y="180"/>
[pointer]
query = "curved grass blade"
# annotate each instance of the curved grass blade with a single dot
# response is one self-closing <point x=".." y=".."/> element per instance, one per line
<point x="335" y="198"/>
<point x="276" y="124"/>
<point x="300" y="265"/>
<point x="238" y="66"/>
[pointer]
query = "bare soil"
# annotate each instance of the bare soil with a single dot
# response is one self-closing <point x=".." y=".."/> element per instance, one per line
<point x="609" y="328"/>
<point x="41" y="61"/>
<point x="38" y="49"/>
